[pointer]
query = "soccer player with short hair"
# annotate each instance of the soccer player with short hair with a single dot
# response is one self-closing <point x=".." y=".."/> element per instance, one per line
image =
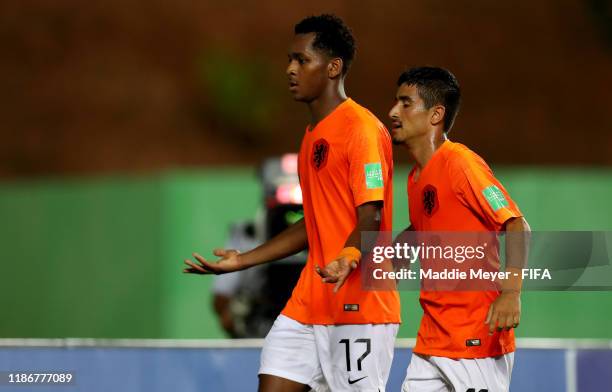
<point x="465" y="341"/>
<point x="332" y="335"/>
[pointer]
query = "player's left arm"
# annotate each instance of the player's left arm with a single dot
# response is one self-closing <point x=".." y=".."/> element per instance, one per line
<point x="337" y="271"/>
<point x="505" y="311"/>
<point x="478" y="188"/>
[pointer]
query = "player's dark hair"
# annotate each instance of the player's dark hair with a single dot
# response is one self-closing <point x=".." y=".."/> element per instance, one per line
<point x="332" y="36"/>
<point x="436" y="86"/>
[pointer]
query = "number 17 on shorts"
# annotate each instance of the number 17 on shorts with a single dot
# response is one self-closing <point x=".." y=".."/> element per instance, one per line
<point x="361" y="356"/>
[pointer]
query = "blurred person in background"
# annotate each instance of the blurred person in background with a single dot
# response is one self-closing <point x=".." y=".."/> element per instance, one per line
<point x="247" y="302"/>
<point x="332" y="335"/>
<point x="465" y="341"/>
<point x="233" y="293"/>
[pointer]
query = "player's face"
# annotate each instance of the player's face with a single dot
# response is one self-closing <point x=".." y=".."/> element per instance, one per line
<point x="307" y="70"/>
<point x="409" y="117"/>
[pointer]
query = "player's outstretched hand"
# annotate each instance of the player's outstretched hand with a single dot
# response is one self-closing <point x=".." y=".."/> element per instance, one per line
<point x="337" y="271"/>
<point x="505" y="312"/>
<point x="228" y="262"/>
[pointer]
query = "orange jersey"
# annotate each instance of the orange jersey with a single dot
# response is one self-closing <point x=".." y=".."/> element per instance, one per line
<point x="456" y="191"/>
<point x="345" y="161"/>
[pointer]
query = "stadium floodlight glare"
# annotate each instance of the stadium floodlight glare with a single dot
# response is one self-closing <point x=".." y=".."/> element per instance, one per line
<point x="289" y="194"/>
<point x="289" y="163"/>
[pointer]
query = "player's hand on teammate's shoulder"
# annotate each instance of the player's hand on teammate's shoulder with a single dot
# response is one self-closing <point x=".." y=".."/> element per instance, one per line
<point x="504" y="312"/>
<point x="229" y="262"/>
<point x="337" y="271"/>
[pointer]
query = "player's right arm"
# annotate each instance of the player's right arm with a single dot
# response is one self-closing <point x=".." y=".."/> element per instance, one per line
<point x="290" y="241"/>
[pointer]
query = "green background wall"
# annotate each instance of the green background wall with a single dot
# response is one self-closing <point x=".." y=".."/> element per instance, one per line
<point x="103" y="258"/>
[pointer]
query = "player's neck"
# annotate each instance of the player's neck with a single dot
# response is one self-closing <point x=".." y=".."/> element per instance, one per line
<point x="423" y="147"/>
<point x="326" y="103"/>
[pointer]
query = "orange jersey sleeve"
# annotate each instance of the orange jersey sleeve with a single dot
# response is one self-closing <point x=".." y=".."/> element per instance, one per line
<point x="481" y="192"/>
<point x="368" y="170"/>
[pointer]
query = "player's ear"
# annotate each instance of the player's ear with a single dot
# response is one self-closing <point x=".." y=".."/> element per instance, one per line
<point x="334" y="68"/>
<point x="437" y="114"/>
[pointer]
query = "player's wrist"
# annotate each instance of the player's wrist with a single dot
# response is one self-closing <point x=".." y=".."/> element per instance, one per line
<point x="242" y="261"/>
<point x="511" y="291"/>
<point x="351" y="254"/>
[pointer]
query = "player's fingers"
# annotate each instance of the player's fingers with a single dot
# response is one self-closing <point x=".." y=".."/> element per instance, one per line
<point x="489" y="314"/>
<point x="199" y="258"/>
<point x="330" y="279"/>
<point x="322" y="272"/>
<point x="195" y="267"/>
<point x="507" y="325"/>
<point x="219" y="252"/>
<point x="206" y="267"/>
<point x="326" y="275"/>
<point x="211" y="268"/>
<point x="344" y="275"/>
<point x="516" y="320"/>
<point x="339" y="284"/>
<point x="501" y="322"/>
<point x="493" y="322"/>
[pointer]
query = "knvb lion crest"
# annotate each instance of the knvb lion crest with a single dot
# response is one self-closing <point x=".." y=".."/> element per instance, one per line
<point x="430" y="200"/>
<point x="320" y="151"/>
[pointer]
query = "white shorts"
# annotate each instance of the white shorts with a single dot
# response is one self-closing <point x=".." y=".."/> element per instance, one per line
<point x="352" y="357"/>
<point x="439" y="374"/>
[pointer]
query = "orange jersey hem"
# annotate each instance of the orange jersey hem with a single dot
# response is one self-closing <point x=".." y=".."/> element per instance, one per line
<point x="463" y="355"/>
<point x="345" y="321"/>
